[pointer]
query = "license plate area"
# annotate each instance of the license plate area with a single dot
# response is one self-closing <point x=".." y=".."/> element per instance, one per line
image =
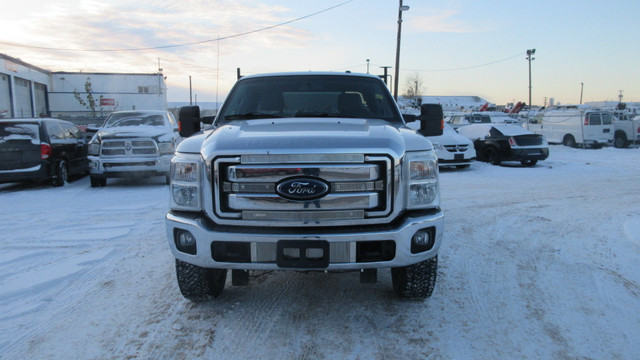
<point x="458" y="157"/>
<point x="305" y="254"/>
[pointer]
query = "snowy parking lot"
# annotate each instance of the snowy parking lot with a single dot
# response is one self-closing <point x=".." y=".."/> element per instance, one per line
<point x="537" y="263"/>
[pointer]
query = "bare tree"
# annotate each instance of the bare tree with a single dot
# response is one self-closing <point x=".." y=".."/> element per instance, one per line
<point x="91" y="104"/>
<point x="414" y="89"/>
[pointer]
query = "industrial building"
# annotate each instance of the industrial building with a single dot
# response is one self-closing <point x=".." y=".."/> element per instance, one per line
<point x="82" y="97"/>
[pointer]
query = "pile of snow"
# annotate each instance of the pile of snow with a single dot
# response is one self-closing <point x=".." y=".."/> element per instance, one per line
<point x="537" y="263"/>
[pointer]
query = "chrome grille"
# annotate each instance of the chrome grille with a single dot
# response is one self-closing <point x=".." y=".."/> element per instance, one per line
<point x="247" y="187"/>
<point x="456" y="148"/>
<point x="124" y="147"/>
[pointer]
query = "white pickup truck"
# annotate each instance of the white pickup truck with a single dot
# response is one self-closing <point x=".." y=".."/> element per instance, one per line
<point x="626" y="128"/>
<point x="306" y="171"/>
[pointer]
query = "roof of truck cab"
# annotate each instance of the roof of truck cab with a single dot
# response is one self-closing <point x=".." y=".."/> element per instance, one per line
<point x="310" y="73"/>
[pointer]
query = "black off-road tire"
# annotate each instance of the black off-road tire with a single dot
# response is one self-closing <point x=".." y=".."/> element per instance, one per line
<point x="200" y="284"/>
<point x="61" y="175"/>
<point x="491" y="155"/>
<point x="415" y="281"/>
<point x="97" y="182"/>
<point x="620" y="141"/>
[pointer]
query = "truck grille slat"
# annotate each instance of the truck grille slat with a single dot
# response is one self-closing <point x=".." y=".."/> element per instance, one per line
<point x="125" y="147"/>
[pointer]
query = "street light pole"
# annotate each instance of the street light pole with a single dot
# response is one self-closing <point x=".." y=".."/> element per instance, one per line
<point x="530" y="57"/>
<point x="401" y="8"/>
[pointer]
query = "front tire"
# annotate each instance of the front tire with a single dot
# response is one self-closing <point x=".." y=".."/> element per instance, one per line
<point x="97" y="182"/>
<point x="415" y="281"/>
<point x="200" y="284"/>
<point x="62" y="174"/>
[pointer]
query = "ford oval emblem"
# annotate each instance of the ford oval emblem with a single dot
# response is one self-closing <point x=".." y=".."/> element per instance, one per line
<point x="302" y="189"/>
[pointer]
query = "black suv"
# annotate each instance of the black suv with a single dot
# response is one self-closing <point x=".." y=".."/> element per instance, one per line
<point x="41" y="149"/>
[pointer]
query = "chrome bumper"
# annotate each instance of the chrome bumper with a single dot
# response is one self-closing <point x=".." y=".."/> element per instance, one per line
<point x="342" y="242"/>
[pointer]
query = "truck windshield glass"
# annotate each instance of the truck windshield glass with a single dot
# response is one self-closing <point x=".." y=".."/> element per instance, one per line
<point x="134" y="120"/>
<point x="309" y="97"/>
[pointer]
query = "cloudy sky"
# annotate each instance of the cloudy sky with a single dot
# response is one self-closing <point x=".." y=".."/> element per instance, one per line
<point x="460" y="47"/>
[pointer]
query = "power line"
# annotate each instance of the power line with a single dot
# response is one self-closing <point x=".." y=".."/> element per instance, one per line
<point x="184" y="44"/>
<point x="468" y="67"/>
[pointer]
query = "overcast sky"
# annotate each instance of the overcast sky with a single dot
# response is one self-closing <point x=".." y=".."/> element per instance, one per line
<point x="461" y="47"/>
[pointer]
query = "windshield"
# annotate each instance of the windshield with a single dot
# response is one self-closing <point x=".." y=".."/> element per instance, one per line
<point x="134" y="119"/>
<point x="309" y="97"/>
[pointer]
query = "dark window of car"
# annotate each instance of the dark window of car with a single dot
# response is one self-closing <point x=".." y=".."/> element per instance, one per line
<point x="595" y="119"/>
<point x="309" y="96"/>
<point x="478" y="119"/>
<point x="55" y="130"/>
<point x="134" y="119"/>
<point x="493" y="132"/>
<point x="16" y="131"/>
<point x="606" y="119"/>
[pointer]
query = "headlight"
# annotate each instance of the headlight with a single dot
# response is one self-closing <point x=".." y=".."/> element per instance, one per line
<point x="422" y="179"/>
<point x="166" y="148"/>
<point x="94" y="148"/>
<point x="186" y="189"/>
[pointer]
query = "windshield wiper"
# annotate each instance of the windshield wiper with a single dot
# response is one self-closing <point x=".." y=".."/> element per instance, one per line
<point x="250" y="116"/>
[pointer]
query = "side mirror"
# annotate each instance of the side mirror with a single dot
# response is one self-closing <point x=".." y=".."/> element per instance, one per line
<point x="189" y="120"/>
<point x="431" y="120"/>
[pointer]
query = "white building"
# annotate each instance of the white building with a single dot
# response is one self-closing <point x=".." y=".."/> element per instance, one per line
<point x="29" y="91"/>
<point x="23" y="88"/>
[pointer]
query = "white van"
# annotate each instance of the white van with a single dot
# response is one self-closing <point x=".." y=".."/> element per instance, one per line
<point x="574" y="124"/>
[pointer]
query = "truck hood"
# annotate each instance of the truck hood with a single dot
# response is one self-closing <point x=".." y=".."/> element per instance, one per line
<point x="134" y="131"/>
<point x="311" y="135"/>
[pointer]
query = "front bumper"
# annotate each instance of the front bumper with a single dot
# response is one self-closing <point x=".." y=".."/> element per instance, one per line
<point x="448" y="158"/>
<point x="343" y="243"/>
<point x="129" y="167"/>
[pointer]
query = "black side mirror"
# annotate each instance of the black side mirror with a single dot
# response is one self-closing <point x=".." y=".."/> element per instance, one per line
<point x="431" y="120"/>
<point x="189" y="120"/>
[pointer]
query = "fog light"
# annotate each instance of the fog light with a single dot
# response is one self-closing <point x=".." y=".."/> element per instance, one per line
<point x="185" y="242"/>
<point x="423" y="240"/>
<point x="186" y="239"/>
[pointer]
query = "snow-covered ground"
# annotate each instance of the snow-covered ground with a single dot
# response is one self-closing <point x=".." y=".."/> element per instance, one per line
<point x="537" y="263"/>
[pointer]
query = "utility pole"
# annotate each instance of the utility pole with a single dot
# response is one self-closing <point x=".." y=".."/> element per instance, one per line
<point x="401" y="8"/>
<point x="190" y="97"/>
<point x="530" y="57"/>
<point x="581" y="91"/>
<point x="367" y="66"/>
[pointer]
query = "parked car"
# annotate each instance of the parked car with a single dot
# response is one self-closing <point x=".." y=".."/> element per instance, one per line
<point x="41" y="149"/>
<point x="496" y="143"/>
<point x="574" y="124"/>
<point x="452" y="148"/>
<point x="457" y="120"/>
<point x="133" y="144"/>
